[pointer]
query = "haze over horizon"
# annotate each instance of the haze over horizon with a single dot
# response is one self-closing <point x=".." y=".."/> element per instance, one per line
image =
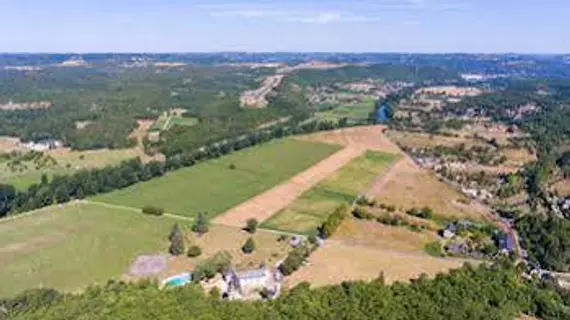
<point x="426" y="26"/>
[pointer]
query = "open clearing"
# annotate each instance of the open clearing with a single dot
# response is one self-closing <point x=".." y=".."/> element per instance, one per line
<point x="407" y="186"/>
<point x="375" y="235"/>
<point x="171" y="118"/>
<point x="214" y="187"/>
<point x="74" y="246"/>
<point x="9" y="144"/>
<point x="363" y="137"/>
<point x="353" y="112"/>
<point x="66" y="162"/>
<point x="425" y="140"/>
<point x="309" y="210"/>
<point x="336" y="262"/>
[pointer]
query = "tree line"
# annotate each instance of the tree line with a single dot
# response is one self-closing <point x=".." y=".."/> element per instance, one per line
<point x="482" y="292"/>
<point x="87" y="183"/>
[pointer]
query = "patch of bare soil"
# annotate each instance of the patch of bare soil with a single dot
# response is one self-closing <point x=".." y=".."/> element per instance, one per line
<point x="9" y="144"/>
<point x="80" y="125"/>
<point x="562" y="187"/>
<point x="178" y="112"/>
<point x="450" y="91"/>
<point x="139" y="134"/>
<point x="367" y="137"/>
<point x="424" y="140"/>
<point x="257" y="98"/>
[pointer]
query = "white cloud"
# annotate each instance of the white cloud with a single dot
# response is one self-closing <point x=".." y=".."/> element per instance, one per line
<point x="318" y="13"/>
<point x="246" y="13"/>
<point x="318" y="18"/>
<point x="325" y="17"/>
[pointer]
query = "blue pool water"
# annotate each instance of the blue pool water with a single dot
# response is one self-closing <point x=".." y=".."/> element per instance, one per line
<point x="177" y="281"/>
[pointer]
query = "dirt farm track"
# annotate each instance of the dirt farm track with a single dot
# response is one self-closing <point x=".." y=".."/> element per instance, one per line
<point x="356" y="141"/>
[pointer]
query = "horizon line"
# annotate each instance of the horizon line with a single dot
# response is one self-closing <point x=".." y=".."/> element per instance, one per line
<point x="289" y="52"/>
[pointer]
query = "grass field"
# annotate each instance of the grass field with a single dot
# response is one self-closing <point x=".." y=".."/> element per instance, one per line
<point x="308" y="211"/>
<point x="375" y="235"/>
<point x="213" y="187"/>
<point x="71" y="247"/>
<point x="354" y="112"/>
<point x="182" y="121"/>
<point x="66" y="162"/>
<point x="167" y="120"/>
<point x="408" y="186"/>
<point x="336" y="262"/>
<point x="425" y="140"/>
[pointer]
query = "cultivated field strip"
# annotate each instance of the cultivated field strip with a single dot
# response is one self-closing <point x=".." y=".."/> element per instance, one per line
<point x="270" y="202"/>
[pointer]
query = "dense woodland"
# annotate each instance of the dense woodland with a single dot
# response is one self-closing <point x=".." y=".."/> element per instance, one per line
<point x="496" y="292"/>
<point x="113" y="98"/>
<point x="547" y="240"/>
<point x="387" y="72"/>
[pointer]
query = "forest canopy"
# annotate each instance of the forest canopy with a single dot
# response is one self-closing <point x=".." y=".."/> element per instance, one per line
<point x="496" y="292"/>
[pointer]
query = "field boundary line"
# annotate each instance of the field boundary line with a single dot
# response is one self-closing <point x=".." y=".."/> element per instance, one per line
<point x="281" y="232"/>
<point x="380" y="180"/>
<point x="134" y="209"/>
<point x="268" y="203"/>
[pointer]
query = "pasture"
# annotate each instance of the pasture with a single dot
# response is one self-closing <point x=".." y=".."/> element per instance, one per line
<point x="354" y="112"/>
<point x="217" y="185"/>
<point x="375" y="235"/>
<point x="406" y="186"/>
<point x="308" y="211"/>
<point x="336" y="262"/>
<point x="425" y="140"/>
<point x="74" y="246"/>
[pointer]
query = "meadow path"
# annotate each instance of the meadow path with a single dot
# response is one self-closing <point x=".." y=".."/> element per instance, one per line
<point x="268" y="203"/>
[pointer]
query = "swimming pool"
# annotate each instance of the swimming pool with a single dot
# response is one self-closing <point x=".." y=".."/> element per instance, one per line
<point x="177" y="280"/>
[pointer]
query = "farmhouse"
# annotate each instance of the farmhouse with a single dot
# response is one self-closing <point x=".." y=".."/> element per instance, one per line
<point x="241" y="284"/>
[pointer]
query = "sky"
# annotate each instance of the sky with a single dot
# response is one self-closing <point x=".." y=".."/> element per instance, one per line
<point x="427" y="26"/>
